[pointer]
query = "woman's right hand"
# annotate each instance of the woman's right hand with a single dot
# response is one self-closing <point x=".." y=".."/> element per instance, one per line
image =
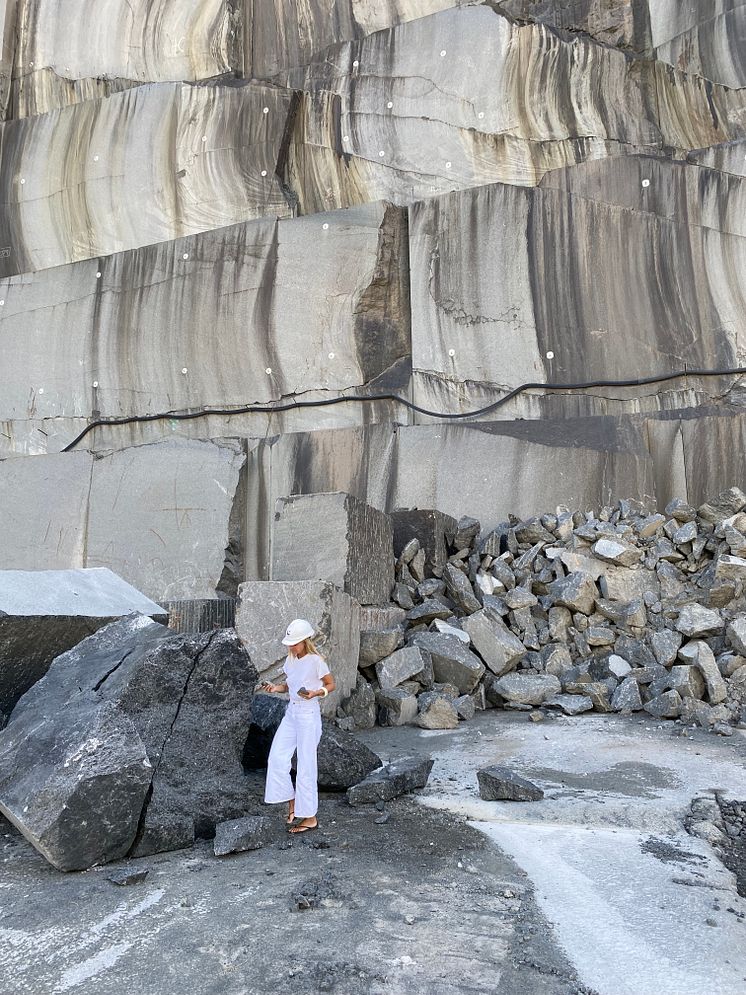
<point x="269" y="688"/>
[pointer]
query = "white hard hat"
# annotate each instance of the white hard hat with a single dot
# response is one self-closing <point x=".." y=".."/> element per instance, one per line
<point x="298" y="630"/>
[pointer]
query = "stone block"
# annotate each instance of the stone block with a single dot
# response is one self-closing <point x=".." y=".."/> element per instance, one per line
<point x="626" y="697"/>
<point x="452" y="660"/>
<point x="687" y="680"/>
<point x="696" y="621"/>
<point x="433" y="530"/>
<point x="556" y="657"/>
<point x="44" y="613"/>
<point x="577" y="592"/>
<point x="466" y="706"/>
<point x="730" y="568"/>
<point x="493" y="641"/>
<point x="665" y="645"/>
<point x="266" y="607"/>
<point x="360" y="706"/>
<point x="570" y="704"/>
<point x="239" y="835"/>
<point x="736" y="634"/>
<point x="664" y="706"/>
<point x="397" y="778"/>
<point x="375" y="644"/>
<point x="620" y="553"/>
<point x="396" y="707"/>
<point x="501" y="784"/>
<point x="698" y="654"/>
<point x="334" y="537"/>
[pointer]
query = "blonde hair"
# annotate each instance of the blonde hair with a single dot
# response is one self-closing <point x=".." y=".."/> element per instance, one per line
<point x="310" y="647"/>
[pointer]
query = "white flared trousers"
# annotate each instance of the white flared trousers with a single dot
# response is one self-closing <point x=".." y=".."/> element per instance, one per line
<point x="299" y="730"/>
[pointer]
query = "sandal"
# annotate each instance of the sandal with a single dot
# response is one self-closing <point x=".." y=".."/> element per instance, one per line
<point x="290" y="818"/>
<point x="300" y="828"/>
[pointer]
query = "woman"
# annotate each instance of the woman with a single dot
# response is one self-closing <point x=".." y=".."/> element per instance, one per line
<point x="307" y="678"/>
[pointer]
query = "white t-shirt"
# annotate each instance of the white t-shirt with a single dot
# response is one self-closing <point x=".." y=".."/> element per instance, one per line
<point x="304" y="672"/>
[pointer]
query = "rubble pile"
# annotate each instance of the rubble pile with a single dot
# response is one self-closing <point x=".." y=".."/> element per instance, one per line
<point x="620" y="611"/>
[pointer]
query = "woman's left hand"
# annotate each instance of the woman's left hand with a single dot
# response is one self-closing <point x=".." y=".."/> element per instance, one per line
<point x="307" y="695"/>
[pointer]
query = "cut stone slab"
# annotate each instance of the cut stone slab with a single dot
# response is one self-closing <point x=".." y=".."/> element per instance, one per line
<point x="433" y="529"/>
<point x="698" y="654"/>
<point x="436" y="711"/>
<point x="239" y="835"/>
<point x="396" y="707"/>
<point x="44" y="613"/>
<point x="501" y="784"/>
<point x="266" y="607"/>
<point x="334" y="537"/>
<point x="402" y="665"/>
<point x="577" y="592"/>
<point x="342" y="759"/>
<point x="397" y="778"/>
<point x="493" y="641"/>
<point x="452" y="660"/>
<point x="626" y="697"/>
<point x="527" y="689"/>
<point x="696" y="621"/>
<point x="570" y="704"/>
<point x="133" y="732"/>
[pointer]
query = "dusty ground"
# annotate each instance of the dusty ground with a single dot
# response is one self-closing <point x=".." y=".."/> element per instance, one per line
<point x="449" y="895"/>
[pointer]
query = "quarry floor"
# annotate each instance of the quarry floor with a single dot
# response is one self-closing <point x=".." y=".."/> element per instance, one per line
<point x="597" y="888"/>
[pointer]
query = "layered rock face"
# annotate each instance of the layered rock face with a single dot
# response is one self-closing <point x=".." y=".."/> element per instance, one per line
<point x="228" y="205"/>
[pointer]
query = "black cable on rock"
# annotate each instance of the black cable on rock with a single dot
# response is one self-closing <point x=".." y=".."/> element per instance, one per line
<point x="275" y="407"/>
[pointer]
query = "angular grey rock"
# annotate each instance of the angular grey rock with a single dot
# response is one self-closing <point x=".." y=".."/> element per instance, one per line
<point x="617" y="552"/>
<point x="428" y="611"/>
<point x="396" y="707"/>
<point x="262" y="615"/>
<point x="519" y="597"/>
<point x="377" y="644"/>
<point x="239" y="835"/>
<point x="665" y="706"/>
<point x="396" y="778"/>
<point x="623" y="613"/>
<point x="502" y="572"/>
<point x="627" y="583"/>
<point x="560" y="619"/>
<point x="687" y="680"/>
<point x="465" y="706"/>
<point x="600" y="694"/>
<point x="736" y="634"/>
<point x="665" y="645"/>
<point x="618" y="666"/>
<point x="403" y="596"/>
<point x="460" y="590"/>
<point x="570" y="704"/>
<point x="433" y="530"/>
<point x="680" y="510"/>
<point x="123" y="877"/>
<point x="407" y="554"/>
<point x="577" y="592"/>
<point x="493" y="641"/>
<point x="649" y="526"/>
<point x="501" y="784"/>
<point x="726" y="504"/>
<point x="435" y="711"/>
<point x="449" y="629"/>
<point x="694" y="621"/>
<point x="686" y="533"/>
<point x="467" y="531"/>
<point x="527" y="689"/>
<point x="401" y="665"/>
<point x="730" y="568"/>
<point x="353" y="544"/>
<point x="44" y="613"/>
<point x="698" y="654"/>
<point x="452" y="660"/>
<point x="600" y="635"/>
<point x="135" y="734"/>
<point x="361" y="705"/>
<point x="626" y="697"/>
<point x="556" y="658"/>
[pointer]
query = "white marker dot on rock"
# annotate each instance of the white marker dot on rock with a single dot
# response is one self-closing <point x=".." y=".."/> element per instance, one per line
<point x="480" y="115"/>
<point x="331" y="355"/>
<point x="41" y="390"/>
<point x="22" y="180"/>
<point x="265" y="110"/>
<point x="442" y="52"/>
<point x="264" y="172"/>
<point x="550" y="355"/>
<point x="184" y="370"/>
<point x="185" y="255"/>
<point x="355" y="64"/>
<point x="204" y="138"/>
<point x="390" y="104"/>
<point x="325" y="225"/>
<point x="451" y="353"/>
<point x="98" y="275"/>
<point x="646" y="183"/>
<point x="448" y="165"/>
<point x="95" y="158"/>
<point x="95" y="383"/>
<point x="381" y="153"/>
<point x="268" y="371"/>
<point x="2" y="303"/>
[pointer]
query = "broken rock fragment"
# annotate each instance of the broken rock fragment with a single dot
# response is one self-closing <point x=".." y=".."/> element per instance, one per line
<point x="239" y="835"/>
<point x="394" y="779"/>
<point x="501" y="784"/>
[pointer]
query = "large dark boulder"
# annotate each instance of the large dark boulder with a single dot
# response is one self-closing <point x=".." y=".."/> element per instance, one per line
<point x="130" y="743"/>
<point x="343" y="760"/>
